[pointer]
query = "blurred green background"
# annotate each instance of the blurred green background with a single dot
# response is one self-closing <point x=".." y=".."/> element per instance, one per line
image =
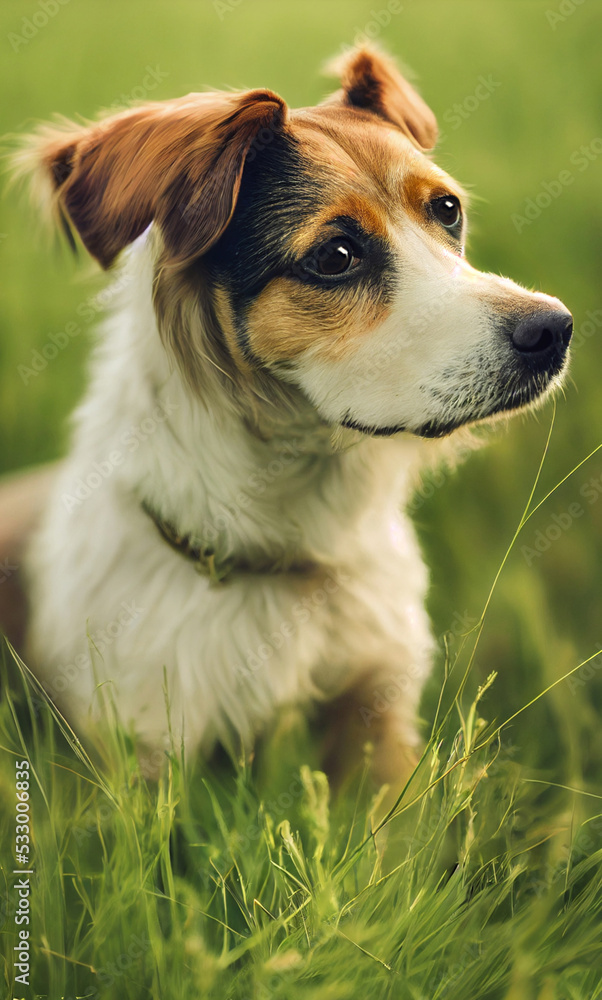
<point x="542" y="63"/>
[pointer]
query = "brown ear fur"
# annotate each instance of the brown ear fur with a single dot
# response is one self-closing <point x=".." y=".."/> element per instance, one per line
<point x="178" y="163"/>
<point x="371" y="81"/>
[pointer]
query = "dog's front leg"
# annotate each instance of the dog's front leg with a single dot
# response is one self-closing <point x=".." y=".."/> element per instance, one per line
<point x="373" y="722"/>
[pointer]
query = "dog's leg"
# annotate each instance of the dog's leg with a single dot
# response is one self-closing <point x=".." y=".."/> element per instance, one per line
<point x="22" y="499"/>
<point x="361" y="726"/>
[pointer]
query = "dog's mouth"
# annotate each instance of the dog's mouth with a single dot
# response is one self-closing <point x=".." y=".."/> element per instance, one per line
<point x="518" y="389"/>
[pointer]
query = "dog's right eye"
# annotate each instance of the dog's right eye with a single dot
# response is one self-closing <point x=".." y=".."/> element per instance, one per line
<point x="332" y="259"/>
<point x="447" y="211"/>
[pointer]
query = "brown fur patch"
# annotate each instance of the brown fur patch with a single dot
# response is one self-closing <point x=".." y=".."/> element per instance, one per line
<point x="225" y="317"/>
<point x="288" y="317"/>
<point x="390" y="754"/>
<point x="371" y="81"/>
<point x="190" y="331"/>
<point x="179" y="163"/>
<point x="373" y="159"/>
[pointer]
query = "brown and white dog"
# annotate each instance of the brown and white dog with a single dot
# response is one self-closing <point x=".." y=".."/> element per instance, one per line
<point x="294" y="320"/>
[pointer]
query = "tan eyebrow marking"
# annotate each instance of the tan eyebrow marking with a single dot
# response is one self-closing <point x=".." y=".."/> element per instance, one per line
<point x="417" y="189"/>
<point x="370" y="218"/>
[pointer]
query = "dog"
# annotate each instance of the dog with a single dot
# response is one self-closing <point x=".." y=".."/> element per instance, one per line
<point x="294" y="332"/>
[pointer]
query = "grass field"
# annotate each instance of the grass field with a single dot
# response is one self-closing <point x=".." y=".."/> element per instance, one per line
<point x="248" y="883"/>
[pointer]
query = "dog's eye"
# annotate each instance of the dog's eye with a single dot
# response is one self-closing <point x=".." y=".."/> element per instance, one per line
<point x="332" y="258"/>
<point x="335" y="258"/>
<point x="447" y="210"/>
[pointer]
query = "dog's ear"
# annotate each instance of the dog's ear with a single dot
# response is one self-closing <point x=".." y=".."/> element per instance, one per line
<point x="371" y="81"/>
<point x="178" y="163"/>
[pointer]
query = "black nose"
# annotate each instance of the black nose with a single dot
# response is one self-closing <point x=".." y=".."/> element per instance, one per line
<point x="540" y="333"/>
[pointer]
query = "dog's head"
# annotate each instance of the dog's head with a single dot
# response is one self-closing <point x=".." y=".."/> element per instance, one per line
<point x="318" y="248"/>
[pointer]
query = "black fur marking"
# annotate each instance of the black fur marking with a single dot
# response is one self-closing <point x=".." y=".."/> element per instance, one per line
<point x="354" y="425"/>
<point x="429" y="430"/>
<point x="278" y="195"/>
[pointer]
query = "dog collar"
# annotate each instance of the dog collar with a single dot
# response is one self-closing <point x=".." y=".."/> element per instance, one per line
<point x="207" y="564"/>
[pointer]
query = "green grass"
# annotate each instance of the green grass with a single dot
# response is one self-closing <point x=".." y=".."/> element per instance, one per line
<point x="492" y="886"/>
<point x="245" y="881"/>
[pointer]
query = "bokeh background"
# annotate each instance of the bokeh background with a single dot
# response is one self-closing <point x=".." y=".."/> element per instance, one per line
<point x="538" y="63"/>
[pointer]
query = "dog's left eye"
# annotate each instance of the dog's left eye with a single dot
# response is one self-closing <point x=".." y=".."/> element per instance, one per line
<point x="447" y="211"/>
<point x="332" y="259"/>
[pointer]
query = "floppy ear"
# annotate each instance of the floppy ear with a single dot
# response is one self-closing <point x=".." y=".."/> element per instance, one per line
<point x="371" y="81"/>
<point x="178" y="163"/>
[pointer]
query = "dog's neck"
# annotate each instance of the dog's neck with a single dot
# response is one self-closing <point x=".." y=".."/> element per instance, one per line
<point x="284" y="490"/>
<point x="280" y="500"/>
